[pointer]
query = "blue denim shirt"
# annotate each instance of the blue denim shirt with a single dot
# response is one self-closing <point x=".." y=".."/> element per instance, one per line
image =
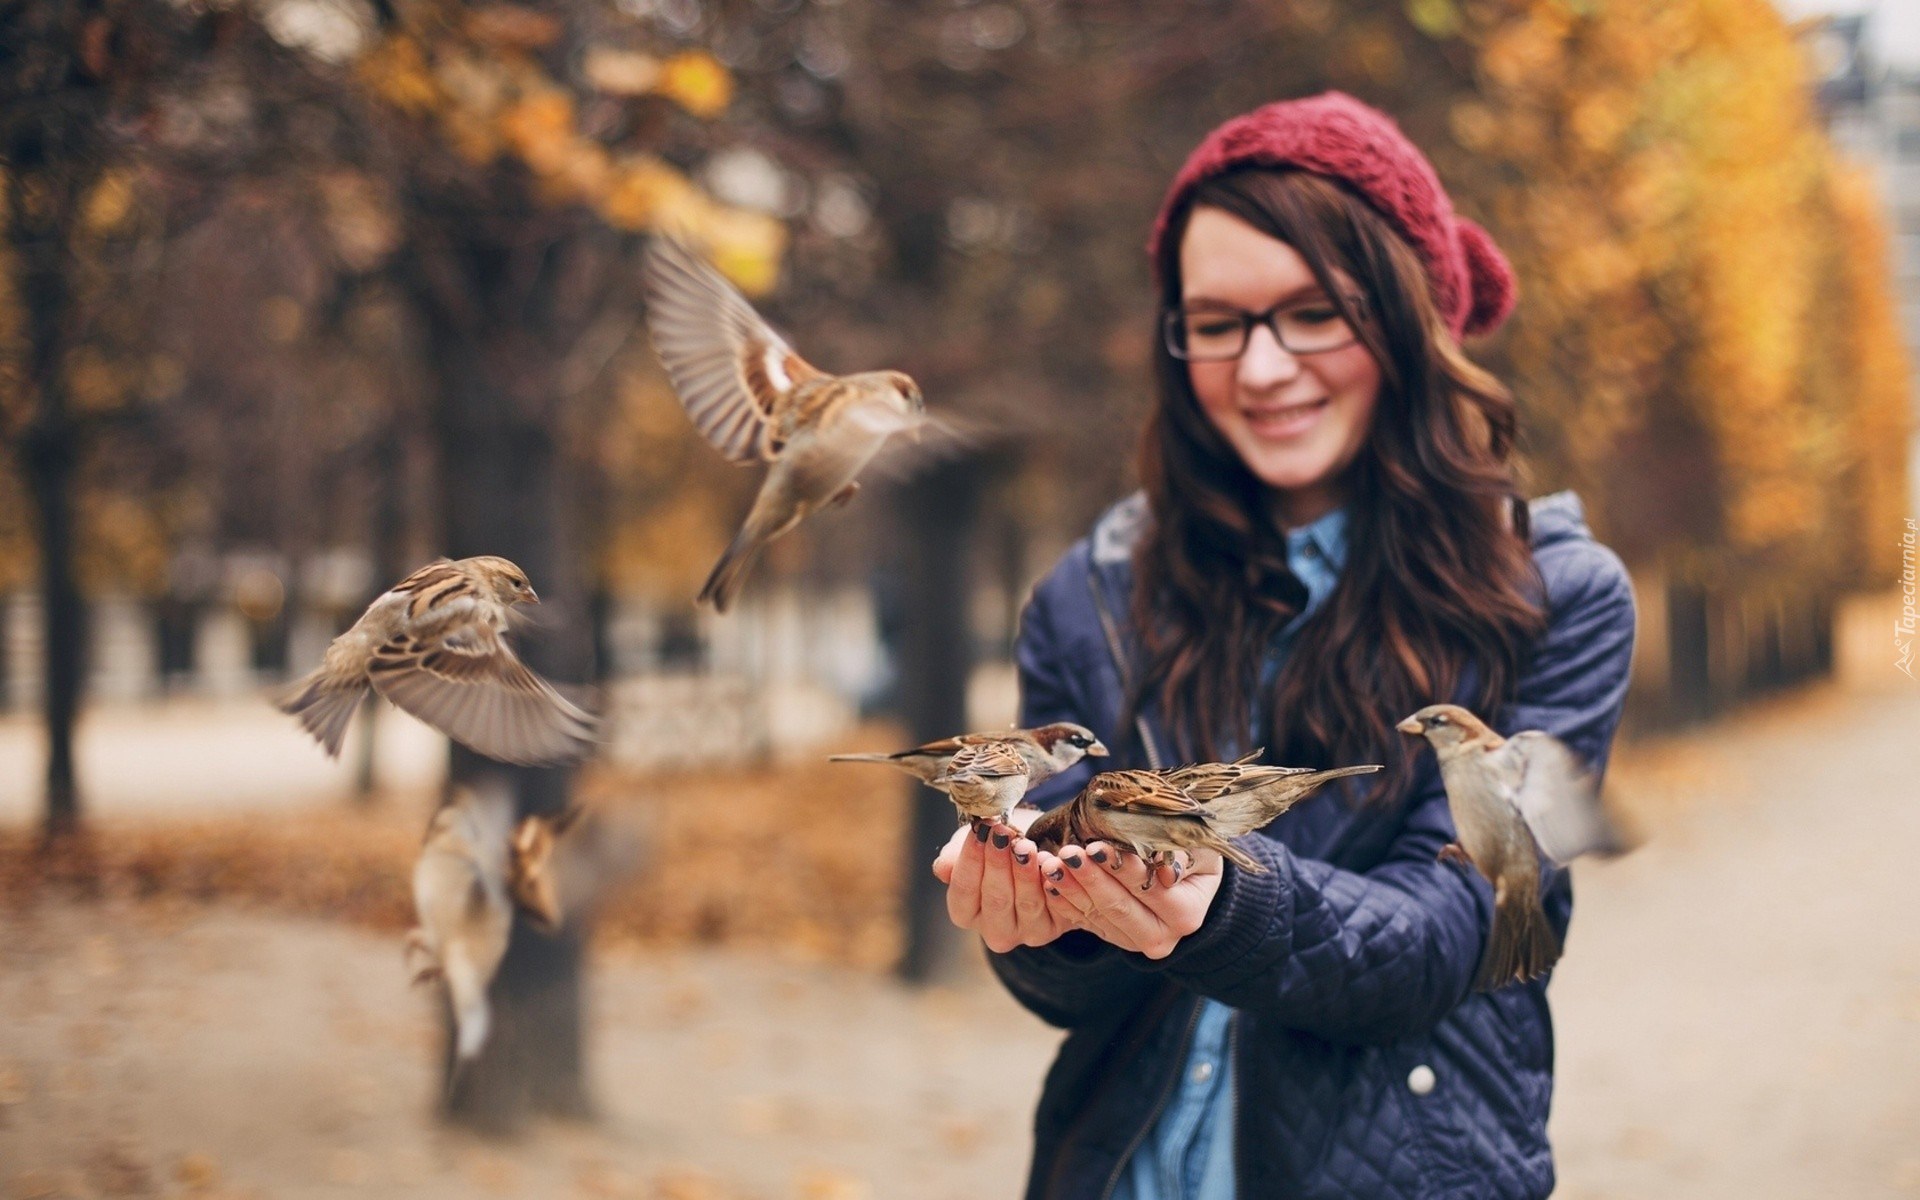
<point x="1188" y="1155"/>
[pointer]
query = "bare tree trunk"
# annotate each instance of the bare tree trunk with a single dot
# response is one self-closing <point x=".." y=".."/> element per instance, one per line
<point x="506" y="490"/>
<point x="939" y="509"/>
<point x="52" y="165"/>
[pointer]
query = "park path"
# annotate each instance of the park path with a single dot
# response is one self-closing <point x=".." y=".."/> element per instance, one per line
<point x="204" y="756"/>
<point x="1738" y="1016"/>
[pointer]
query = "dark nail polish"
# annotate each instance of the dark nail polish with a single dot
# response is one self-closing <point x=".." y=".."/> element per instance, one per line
<point x="1022" y="859"/>
<point x="1099" y="856"/>
<point x="1053" y="891"/>
<point x="1074" y="861"/>
<point x="1057" y="874"/>
<point x="980" y="833"/>
<point x="1000" y="841"/>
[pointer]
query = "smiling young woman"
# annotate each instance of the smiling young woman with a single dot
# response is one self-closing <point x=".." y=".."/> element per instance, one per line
<point x="1328" y="537"/>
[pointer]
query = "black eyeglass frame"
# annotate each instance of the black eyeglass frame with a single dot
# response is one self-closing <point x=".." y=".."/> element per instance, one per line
<point x="1170" y="324"/>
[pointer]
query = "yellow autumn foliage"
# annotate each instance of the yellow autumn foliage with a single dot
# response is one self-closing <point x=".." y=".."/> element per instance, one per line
<point x="489" y="101"/>
<point x="697" y="82"/>
<point x="1692" y="257"/>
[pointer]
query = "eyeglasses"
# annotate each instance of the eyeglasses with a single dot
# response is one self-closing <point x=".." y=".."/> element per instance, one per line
<point x="1214" y="333"/>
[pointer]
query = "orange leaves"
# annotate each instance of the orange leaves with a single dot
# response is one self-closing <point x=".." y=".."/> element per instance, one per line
<point x="397" y="72"/>
<point x="698" y="83"/>
<point x="490" y="96"/>
<point x="1662" y="185"/>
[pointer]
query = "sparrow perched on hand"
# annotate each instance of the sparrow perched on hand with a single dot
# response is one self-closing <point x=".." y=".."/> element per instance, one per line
<point x="1242" y="797"/>
<point x="1047" y="749"/>
<point x="460" y="893"/>
<point x="1513" y="799"/>
<point x="1142" y="811"/>
<point x="1154" y="813"/>
<point x="757" y="401"/>
<point x="433" y="645"/>
<point x="985" y="780"/>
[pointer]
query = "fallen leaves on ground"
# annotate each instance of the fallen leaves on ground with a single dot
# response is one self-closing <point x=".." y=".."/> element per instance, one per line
<point x="807" y="858"/>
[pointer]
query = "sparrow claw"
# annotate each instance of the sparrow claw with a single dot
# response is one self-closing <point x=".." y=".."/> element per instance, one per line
<point x="1454" y="852"/>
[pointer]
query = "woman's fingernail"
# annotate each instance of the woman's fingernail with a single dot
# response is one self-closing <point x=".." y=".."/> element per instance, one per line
<point x="1057" y="874"/>
<point x="1000" y="841"/>
<point x="980" y="832"/>
<point x="1021" y="858"/>
<point x="1053" y="891"/>
<point x="1099" y="856"/>
<point x="1073" y="860"/>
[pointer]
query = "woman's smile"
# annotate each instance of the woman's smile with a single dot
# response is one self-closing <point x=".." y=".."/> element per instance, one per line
<point x="1284" y="422"/>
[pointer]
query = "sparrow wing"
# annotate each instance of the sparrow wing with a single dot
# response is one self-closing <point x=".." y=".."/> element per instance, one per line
<point x="735" y="376"/>
<point x="467" y="682"/>
<point x="988" y="760"/>
<point x="1558" y="795"/>
<point x="1142" y="792"/>
<point x="1210" y="781"/>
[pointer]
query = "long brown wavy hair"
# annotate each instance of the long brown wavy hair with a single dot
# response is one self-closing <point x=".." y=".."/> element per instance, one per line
<point x="1439" y="577"/>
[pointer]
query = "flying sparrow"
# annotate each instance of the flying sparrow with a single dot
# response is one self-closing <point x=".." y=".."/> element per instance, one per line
<point x="433" y="645"/>
<point x="1154" y="813"/>
<point x="460" y="893"/>
<point x="1513" y="799"/>
<point x="756" y="400"/>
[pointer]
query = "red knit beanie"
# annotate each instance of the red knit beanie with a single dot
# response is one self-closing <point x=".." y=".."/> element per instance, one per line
<point x="1336" y="136"/>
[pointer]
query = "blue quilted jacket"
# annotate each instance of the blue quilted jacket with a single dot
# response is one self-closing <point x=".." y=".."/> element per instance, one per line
<point x="1363" y="1064"/>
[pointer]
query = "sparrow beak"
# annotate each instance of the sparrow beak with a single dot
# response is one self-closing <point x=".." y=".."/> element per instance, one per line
<point x="1411" y="726"/>
<point x="533" y="597"/>
<point x="1098" y="749"/>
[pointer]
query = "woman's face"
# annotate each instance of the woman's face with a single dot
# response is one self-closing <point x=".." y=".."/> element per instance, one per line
<point x="1297" y="421"/>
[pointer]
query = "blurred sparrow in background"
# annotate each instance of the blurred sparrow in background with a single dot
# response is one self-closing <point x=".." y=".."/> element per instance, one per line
<point x="756" y="400"/>
<point x="530" y="870"/>
<point x="433" y="645"/>
<point x="1507" y="796"/>
<point x="1048" y="750"/>
<point x="460" y="893"/>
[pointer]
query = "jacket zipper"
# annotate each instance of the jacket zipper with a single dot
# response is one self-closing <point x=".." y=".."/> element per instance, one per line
<point x="1111" y="629"/>
<point x="1159" y="1106"/>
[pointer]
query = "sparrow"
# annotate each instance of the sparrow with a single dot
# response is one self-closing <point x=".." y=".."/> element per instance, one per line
<point x="1154" y="813"/>
<point x="1142" y="811"/>
<point x="1239" y="798"/>
<point x="1047" y="749"/>
<point x="466" y="914"/>
<point x="433" y="644"/>
<point x="755" y="400"/>
<point x="986" y="780"/>
<point x="1513" y="799"/>
<point x="530" y="871"/>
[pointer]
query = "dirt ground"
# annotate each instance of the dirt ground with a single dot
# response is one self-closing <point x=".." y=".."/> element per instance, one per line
<point x="1738" y="1015"/>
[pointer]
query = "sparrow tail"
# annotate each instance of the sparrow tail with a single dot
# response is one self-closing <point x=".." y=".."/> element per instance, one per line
<point x="1522" y="944"/>
<point x="1240" y="858"/>
<point x="324" y="707"/>
<point x="468" y="992"/>
<point x="729" y="572"/>
<point x="886" y="759"/>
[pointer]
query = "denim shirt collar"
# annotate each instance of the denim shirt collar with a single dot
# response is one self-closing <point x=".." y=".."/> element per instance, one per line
<point x="1316" y="553"/>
